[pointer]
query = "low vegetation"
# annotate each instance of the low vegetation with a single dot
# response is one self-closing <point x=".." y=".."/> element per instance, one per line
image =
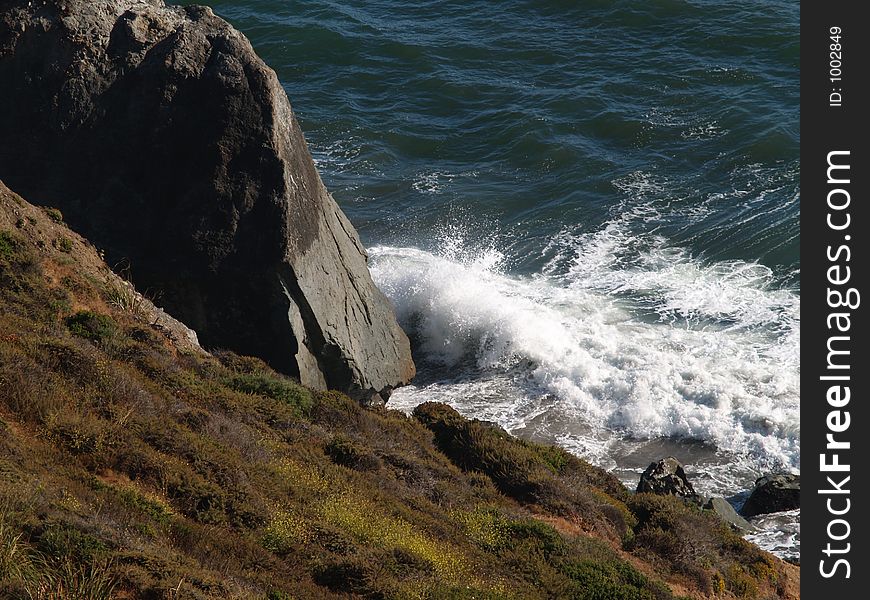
<point x="130" y="469"/>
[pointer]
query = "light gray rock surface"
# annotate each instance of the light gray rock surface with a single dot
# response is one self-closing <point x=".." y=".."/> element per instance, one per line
<point x="727" y="513"/>
<point x="169" y="143"/>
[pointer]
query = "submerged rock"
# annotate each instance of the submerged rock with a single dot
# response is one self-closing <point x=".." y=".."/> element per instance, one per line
<point x="666" y="477"/>
<point x="773" y="493"/>
<point x="169" y="143"/>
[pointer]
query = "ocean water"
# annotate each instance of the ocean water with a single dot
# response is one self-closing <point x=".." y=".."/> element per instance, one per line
<point x="585" y="213"/>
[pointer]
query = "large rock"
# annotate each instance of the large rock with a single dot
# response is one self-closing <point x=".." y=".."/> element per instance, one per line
<point x="666" y="477"/>
<point x="167" y="142"/>
<point x="773" y="493"/>
<point x="726" y="512"/>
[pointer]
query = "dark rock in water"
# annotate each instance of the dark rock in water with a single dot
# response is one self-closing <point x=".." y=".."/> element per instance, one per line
<point x="727" y="513"/>
<point x="167" y="142"/>
<point x="773" y="493"/>
<point x="666" y="477"/>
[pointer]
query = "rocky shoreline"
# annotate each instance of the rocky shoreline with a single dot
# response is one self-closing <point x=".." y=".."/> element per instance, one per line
<point x="773" y="493"/>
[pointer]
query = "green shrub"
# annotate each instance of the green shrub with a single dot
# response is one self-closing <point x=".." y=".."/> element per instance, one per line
<point x="133" y="499"/>
<point x="64" y="244"/>
<point x="238" y="363"/>
<point x="337" y="411"/>
<point x="485" y="526"/>
<point x="54" y="214"/>
<point x="80" y="433"/>
<point x="346" y="576"/>
<point x="618" y="513"/>
<point x="540" y="536"/>
<point x="439" y="417"/>
<point x="65" y="542"/>
<point x="741" y="583"/>
<point x="362" y="519"/>
<point x="347" y="453"/>
<point x="494" y="531"/>
<point x="92" y="326"/>
<point x="516" y="470"/>
<point x="530" y="472"/>
<point x="287" y="531"/>
<point x="273" y="386"/>
<point x="557" y="458"/>
<point x="9" y="246"/>
<point x="197" y="498"/>
<point x="21" y="281"/>
<point x="612" y="580"/>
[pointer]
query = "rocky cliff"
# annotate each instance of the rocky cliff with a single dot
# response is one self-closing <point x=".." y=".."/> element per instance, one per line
<point x="168" y="143"/>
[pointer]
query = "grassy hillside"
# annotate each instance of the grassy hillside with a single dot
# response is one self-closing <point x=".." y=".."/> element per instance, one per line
<point x="133" y="465"/>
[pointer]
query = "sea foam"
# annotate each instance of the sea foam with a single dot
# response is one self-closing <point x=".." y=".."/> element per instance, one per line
<point x="616" y="337"/>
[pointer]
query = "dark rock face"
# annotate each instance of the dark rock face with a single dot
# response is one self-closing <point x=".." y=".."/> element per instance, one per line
<point x="773" y="493"/>
<point x="666" y="477"/>
<point x="167" y="142"/>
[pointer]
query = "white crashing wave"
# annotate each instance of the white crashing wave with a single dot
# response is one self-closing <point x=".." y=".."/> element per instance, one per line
<point x="618" y="334"/>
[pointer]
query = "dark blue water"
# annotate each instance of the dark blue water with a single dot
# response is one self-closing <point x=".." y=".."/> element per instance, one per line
<point x="586" y="213"/>
<point x="522" y="114"/>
